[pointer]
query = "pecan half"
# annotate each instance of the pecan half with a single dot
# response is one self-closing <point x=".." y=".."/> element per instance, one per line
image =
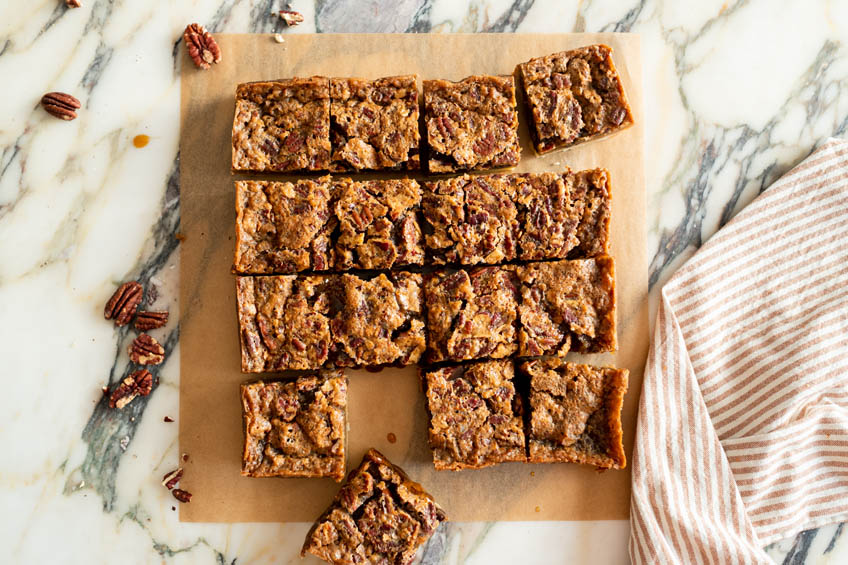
<point x="147" y="320"/>
<point x="73" y="3"/>
<point x="123" y="304"/>
<point x="182" y="495"/>
<point x="202" y="48"/>
<point x="139" y="383"/>
<point x="291" y="17"/>
<point x="171" y="479"/>
<point x="145" y="350"/>
<point x="60" y="105"/>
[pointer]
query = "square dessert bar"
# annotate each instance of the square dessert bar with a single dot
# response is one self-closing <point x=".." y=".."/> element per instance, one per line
<point x="575" y="413"/>
<point x="282" y="125"/>
<point x="471" y="314"/>
<point x="381" y="320"/>
<point x="374" y="123"/>
<point x="475" y="415"/>
<point x="574" y="96"/>
<point x="285" y="321"/>
<point x="284" y="227"/>
<point x="471" y="124"/>
<point x="296" y="428"/>
<point x="378" y="516"/>
<point x="378" y="224"/>
<point x="470" y="220"/>
<point x="567" y="306"/>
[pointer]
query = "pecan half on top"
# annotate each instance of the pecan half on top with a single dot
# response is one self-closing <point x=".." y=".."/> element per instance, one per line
<point x="145" y="350"/>
<point x="139" y="383"/>
<point x="148" y="320"/>
<point x="60" y="105"/>
<point x="202" y="48"/>
<point x="123" y="304"/>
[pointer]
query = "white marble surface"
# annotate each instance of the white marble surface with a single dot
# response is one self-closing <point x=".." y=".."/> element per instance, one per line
<point x="736" y="93"/>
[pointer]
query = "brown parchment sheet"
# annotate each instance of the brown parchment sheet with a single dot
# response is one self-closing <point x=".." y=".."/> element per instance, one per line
<point x="389" y="401"/>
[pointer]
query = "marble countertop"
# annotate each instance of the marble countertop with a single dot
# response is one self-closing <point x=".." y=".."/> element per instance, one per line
<point x="736" y="94"/>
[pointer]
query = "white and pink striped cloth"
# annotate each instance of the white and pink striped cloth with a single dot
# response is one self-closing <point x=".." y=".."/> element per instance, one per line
<point x="742" y="437"/>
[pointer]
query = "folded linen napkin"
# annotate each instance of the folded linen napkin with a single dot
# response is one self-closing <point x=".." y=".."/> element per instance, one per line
<point x="742" y="435"/>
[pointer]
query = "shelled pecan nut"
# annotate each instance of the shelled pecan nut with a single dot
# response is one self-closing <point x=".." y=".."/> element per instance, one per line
<point x="139" y="383"/>
<point x="182" y="495"/>
<point x="291" y="17"/>
<point x="170" y="480"/>
<point x="123" y="304"/>
<point x="145" y="350"/>
<point x="73" y="3"/>
<point x="202" y="48"/>
<point x="148" y="320"/>
<point x="60" y="105"/>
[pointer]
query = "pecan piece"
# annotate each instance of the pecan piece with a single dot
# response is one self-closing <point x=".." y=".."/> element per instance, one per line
<point x="73" y="3"/>
<point x="170" y="480"/>
<point x="145" y="350"/>
<point x="123" y="304"/>
<point x="150" y="320"/>
<point x="139" y="383"/>
<point x="291" y="17"/>
<point x="181" y="495"/>
<point x="60" y="105"/>
<point x="202" y="48"/>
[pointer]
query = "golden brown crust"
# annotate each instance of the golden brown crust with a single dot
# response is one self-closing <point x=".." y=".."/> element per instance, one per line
<point x="475" y="415"/>
<point x="575" y="413"/>
<point x="374" y="123"/>
<point x="567" y="306"/>
<point x="574" y="96"/>
<point x="381" y="320"/>
<point x="284" y="321"/>
<point x="284" y="227"/>
<point x="471" y="314"/>
<point x="378" y="516"/>
<point x="282" y="125"/>
<point x="470" y="220"/>
<point x="378" y="224"/>
<point x="296" y="428"/>
<point x="471" y="124"/>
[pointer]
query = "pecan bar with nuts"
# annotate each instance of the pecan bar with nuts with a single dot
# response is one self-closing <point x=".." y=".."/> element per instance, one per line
<point x="285" y="320"/>
<point x="378" y="516"/>
<point x="471" y="314"/>
<point x="284" y="227"/>
<point x="475" y="415"/>
<point x="470" y="220"/>
<point x="471" y="124"/>
<point x="549" y="212"/>
<point x="574" y="96"/>
<point x="378" y="224"/>
<point x="374" y="123"/>
<point x="381" y="321"/>
<point x="575" y="413"/>
<point x="567" y="306"/>
<point x="296" y="428"/>
<point x="592" y="188"/>
<point x="282" y="125"/>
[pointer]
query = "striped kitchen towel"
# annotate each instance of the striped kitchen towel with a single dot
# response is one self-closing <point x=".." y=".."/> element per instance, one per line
<point x="742" y="436"/>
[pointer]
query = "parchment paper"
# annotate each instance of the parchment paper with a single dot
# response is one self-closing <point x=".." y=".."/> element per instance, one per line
<point x="389" y="401"/>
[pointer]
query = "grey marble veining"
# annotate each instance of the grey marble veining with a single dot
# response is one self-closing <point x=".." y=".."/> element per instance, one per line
<point x="736" y="94"/>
